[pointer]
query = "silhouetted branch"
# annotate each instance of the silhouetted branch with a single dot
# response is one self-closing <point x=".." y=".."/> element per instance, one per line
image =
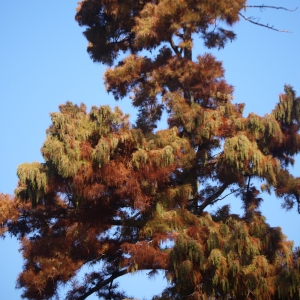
<point x="218" y="199"/>
<point x="250" y="19"/>
<point x="270" y="6"/>
<point x="101" y="284"/>
<point x="213" y="198"/>
<point x="174" y="47"/>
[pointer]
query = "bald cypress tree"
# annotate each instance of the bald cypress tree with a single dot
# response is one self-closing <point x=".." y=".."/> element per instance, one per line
<point x="128" y="197"/>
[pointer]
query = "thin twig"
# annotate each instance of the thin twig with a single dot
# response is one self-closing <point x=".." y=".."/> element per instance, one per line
<point x="218" y="199"/>
<point x="269" y="6"/>
<point x="263" y="25"/>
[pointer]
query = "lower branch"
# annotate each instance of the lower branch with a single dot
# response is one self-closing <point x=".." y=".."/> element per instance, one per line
<point x="100" y="285"/>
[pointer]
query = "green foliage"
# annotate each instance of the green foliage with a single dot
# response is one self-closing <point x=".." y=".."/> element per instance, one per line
<point x="33" y="182"/>
<point x="236" y="263"/>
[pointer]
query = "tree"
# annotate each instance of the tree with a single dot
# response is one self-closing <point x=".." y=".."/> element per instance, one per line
<point x="127" y="198"/>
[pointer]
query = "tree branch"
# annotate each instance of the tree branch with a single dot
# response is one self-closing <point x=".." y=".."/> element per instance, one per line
<point x="218" y="199"/>
<point x="248" y="185"/>
<point x="101" y="284"/>
<point x="298" y="202"/>
<point x="109" y="289"/>
<point x="71" y="213"/>
<point x="269" y="6"/>
<point x="174" y="47"/>
<point x="109" y="280"/>
<point x="213" y="198"/>
<point x="249" y="19"/>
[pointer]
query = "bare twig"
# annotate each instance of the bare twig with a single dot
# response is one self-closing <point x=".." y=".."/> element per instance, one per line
<point x="272" y="7"/>
<point x="249" y="19"/>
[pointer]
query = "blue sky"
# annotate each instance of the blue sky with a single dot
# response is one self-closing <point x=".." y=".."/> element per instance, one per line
<point x="43" y="63"/>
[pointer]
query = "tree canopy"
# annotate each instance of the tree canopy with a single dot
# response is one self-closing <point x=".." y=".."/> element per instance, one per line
<point x="125" y="197"/>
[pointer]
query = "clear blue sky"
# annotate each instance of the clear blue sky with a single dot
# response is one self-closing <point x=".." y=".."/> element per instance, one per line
<point x="43" y="63"/>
